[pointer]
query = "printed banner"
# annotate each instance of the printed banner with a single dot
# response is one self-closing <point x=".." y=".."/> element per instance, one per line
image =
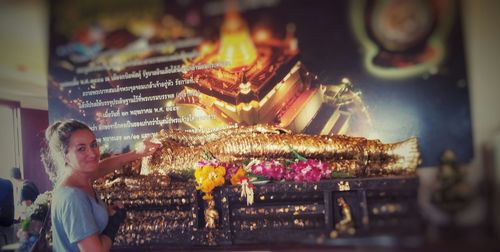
<point x="383" y="69"/>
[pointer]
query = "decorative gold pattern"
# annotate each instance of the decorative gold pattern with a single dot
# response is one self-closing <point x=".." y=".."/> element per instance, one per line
<point x="388" y="208"/>
<point x="344" y="186"/>
<point x="309" y="209"/>
<point x="144" y="226"/>
<point x="247" y="225"/>
<point x="140" y="191"/>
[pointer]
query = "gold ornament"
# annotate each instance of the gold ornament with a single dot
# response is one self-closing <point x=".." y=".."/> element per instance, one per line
<point x="346" y="224"/>
<point x="211" y="215"/>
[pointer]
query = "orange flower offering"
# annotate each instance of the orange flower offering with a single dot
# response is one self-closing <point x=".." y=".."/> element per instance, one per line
<point x="236" y="178"/>
<point x="207" y="178"/>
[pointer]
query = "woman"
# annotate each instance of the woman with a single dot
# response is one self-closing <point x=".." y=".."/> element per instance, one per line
<point x="80" y="220"/>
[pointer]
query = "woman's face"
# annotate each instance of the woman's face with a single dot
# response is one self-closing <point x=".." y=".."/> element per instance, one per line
<point x="83" y="151"/>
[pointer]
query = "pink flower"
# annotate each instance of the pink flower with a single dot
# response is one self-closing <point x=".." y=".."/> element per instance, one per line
<point x="310" y="170"/>
<point x="270" y="169"/>
<point x="231" y="169"/>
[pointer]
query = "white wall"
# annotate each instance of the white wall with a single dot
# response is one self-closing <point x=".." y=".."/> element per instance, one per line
<point x="482" y="34"/>
<point x="481" y="21"/>
<point x="10" y="139"/>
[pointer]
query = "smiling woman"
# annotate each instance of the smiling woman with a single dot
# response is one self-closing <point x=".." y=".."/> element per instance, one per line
<point x="80" y="220"/>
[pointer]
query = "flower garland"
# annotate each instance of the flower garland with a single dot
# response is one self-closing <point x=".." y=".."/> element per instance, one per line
<point x="211" y="174"/>
<point x="208" y="177"/>
<point x="308" y="170"/>
<point x="269" y="169"/>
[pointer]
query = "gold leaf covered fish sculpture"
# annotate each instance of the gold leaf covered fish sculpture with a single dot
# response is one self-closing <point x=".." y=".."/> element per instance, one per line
<point x="355" y="156"/>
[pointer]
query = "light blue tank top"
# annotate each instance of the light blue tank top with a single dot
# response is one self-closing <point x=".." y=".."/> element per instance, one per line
<point x="75" y="216"/>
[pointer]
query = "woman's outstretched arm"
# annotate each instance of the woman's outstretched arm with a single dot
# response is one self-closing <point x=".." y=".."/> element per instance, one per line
<point x="114" y="162"/>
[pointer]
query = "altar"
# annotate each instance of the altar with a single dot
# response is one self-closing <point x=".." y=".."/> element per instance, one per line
<point x="283" y="212"/>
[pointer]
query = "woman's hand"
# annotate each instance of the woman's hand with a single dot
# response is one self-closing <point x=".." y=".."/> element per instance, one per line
<point x="118" y="214"/>
<point x="147" y="147"/>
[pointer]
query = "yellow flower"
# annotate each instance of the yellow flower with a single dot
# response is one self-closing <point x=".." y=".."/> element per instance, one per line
<point x="209" y="177"/>
<point x="208" y="197"/>
<point x="240" y="173"/>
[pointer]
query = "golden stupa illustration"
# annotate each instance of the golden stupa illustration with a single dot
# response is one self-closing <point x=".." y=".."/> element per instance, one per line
<point x="262" y="80"/>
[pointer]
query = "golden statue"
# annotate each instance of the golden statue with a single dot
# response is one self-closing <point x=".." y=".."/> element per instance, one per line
<point x="346" y="224"/>
<point x="355" y="156"/>
<point x="211" y="215"/>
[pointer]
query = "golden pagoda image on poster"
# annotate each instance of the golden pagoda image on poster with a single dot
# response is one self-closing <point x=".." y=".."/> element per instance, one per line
<point x="262" y="80"/>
